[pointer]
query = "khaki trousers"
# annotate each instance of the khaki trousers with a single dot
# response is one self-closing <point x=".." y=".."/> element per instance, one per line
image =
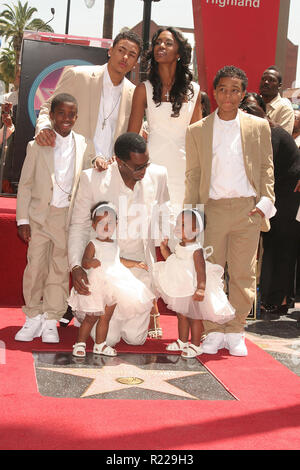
<point x="234" y="236"/>
<point x="46" y="276"/>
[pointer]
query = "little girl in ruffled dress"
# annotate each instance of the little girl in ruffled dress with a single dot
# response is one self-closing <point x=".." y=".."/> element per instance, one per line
<point x="189" y="285"/>
<point x="110" y="283"/>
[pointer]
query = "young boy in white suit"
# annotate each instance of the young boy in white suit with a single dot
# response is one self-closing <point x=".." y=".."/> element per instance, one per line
<point x="46" y="193"/>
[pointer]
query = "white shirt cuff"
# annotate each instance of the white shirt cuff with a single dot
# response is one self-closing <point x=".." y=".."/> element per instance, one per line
<point x="46" y="126"/>
<point x="22" y="222"/>
<point x="267" y="207"/>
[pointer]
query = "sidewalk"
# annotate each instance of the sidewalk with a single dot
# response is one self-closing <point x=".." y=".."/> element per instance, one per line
<point x="279" y="336"/>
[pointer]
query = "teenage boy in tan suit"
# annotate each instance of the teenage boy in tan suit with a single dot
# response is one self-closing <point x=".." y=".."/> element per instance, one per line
<point x="104" y="97"/>
<point x="46" y="193"/>
<point x="229" y="168"/>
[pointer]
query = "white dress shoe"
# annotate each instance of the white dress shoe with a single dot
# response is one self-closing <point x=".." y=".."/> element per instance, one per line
<point x="235" y="343"/>
<point x="50" y="333"/>
<point x="31" y="329"/>
<point x="213" y="342"/>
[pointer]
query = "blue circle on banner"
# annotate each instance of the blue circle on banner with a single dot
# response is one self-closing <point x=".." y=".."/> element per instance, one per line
<point x="42" y="75"/>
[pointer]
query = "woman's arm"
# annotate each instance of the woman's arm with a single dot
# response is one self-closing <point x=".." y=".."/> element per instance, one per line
<point x="88" y="260"/>
<point x="199" y="262"/>
<point x="139" y="104"/>
<point x="197" y="114"/>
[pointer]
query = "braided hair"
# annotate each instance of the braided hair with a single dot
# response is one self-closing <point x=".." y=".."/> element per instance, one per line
<point x="182" y="89"/>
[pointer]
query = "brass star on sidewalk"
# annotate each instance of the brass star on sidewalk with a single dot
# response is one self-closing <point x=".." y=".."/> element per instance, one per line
<point x="124" y="376"/>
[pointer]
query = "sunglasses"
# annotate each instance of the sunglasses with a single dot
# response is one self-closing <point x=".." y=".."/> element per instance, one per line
<point x="138" y="169"/>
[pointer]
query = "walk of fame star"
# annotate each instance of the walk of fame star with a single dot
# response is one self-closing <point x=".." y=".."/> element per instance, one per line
<point x="279" y="345"/>
<point x="124" y="375"/>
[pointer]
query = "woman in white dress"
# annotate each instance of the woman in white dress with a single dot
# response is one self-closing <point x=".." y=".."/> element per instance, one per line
<point x="172" y="102"/>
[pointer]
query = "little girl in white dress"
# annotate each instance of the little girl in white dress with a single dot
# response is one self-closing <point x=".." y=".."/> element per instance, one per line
<point x="191" y="286"/>
<point x="110" y="284"/>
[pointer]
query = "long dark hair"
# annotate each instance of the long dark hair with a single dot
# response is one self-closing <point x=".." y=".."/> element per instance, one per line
<point x="182" y="88"/>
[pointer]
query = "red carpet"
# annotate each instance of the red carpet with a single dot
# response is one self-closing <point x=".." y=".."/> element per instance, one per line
<point x="13" y="255"/>
<point x="264" y="416"/>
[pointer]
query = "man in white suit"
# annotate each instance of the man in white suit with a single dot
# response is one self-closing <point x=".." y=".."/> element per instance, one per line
<point x="104" y="97"/>
<point x="138" y="189"/>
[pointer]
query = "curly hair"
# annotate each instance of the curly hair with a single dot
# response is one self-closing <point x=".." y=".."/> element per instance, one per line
<point x="182" y="88"/>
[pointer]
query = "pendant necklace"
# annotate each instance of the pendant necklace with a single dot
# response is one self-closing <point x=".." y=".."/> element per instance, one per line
<point x="107" y="117"/>
<point x="167" y="94"/>
<point x="66" y="192"/>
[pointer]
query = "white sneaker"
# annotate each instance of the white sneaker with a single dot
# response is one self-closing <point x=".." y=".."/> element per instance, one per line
<point x="31" y="329"/>
<point x="235" y="342"/>
<point x="50" y="333"/>
<point x="213" y="342"/>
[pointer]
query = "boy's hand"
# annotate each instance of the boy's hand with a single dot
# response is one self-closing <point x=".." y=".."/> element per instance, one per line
<point x="101" y="164"/>
<point x="256" y="210"/>
<point x="24" y="232"/>
<point x="199" y="295"/>
<point x="80" y="281"/>
<point x="46" y="138"/>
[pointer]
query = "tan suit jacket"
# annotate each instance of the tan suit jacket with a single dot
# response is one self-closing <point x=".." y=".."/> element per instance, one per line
<point x="257" y="153"/>
<point x="280" y="111"/>
<point x="85" y="84"/>
<point x="37" y="179"/>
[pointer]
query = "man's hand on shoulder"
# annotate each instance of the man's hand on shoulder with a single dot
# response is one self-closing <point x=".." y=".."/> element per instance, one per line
<point x="46" y="138"/>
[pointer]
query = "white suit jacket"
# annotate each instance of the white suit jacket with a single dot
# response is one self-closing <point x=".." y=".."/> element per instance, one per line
<point x="35" y="188"/>
<point x="95" y="187"/>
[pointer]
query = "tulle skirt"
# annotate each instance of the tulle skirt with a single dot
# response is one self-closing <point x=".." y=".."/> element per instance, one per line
<point x="215" y="307"/>
<point x="112" y="285"/>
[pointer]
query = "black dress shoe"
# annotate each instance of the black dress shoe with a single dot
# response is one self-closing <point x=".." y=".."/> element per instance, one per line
<point x="65" y="320"/>
<point x="269" y="308"/>
<point x="269" y="312"/>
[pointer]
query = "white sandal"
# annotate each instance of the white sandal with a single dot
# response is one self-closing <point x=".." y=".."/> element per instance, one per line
<point x="103" y="349"/>
<point x="191" y="351"/>
<point x="177" y="345"/>
<point x="79" y="350"/>
<point x="156" y="332"/>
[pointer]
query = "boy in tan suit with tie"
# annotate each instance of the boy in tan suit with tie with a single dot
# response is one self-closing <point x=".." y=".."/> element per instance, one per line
<point x="46" y="192"/>
<point x="229" y="168"/>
